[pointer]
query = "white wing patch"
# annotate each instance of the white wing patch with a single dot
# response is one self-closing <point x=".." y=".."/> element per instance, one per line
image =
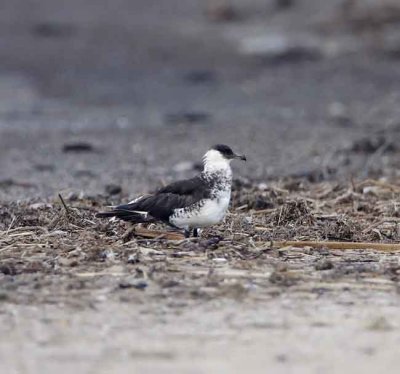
<point x="136" y="200"/>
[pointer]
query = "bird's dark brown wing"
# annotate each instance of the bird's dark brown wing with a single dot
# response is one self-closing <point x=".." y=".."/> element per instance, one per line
<point x="196" y="186"/>
<point x="161" y="205"/>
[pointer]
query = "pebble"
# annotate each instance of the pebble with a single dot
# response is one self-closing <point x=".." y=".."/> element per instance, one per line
<point x="108" y="254"/>
<point x="133" y="259"/>
<point x="78" y="147"/>
<point x="221" y="11"/>
<point x="139" y="284"/>
<point x="36" y="206"/>
<point x="281" y="47"/>
<point x="190" y="117"/>
<point x="113" y="189"/>
<point x="324" y="265"/>
<point x="53" y="30"/>
<point x="70" y="262"/>
<point x="200" y="76"/>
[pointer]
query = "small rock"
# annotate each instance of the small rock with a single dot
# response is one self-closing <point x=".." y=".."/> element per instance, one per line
<point x="371" y="190"/>
<point x="52" y="30"/>
<point x="78" y="147"/>
<point x="282" y="278"/>
<point x="133" y="259"/>
<point x="262" y="202"/>
<point x="200" y="76"/>
<point x="187" y="118"/>
<point x="108" y="254"/>
<point x="113" y="189"/>
<point x="69" y="262"/>
<point x="8" y="269"/>
<point x="5" y="183"/>
<point x="44" y="167"/>
<point x="221" y="11"/>
<point x="170" y="283"/>
<point x="314" y="175"/>
<point x="279" y="47"/>
<point x="282" y="357"/>
<point x="83" y="173"/>
<point x="283" y="4"/>
<point x="324" y="265"/>
<point x="369" y="145"/>
<point x="211" y="243"/>
<point x="139" y="284"/>
<point x="262" y="186"/>
<point x="37" y="206"/>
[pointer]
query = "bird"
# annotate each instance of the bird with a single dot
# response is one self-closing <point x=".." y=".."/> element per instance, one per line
<point x="189" y="204"/>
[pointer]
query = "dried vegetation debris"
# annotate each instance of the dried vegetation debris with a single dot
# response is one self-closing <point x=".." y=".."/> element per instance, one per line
<point x="73" y="245"/>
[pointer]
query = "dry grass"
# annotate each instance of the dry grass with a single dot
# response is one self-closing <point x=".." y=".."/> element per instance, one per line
<point x="48" y="245"/>
<point x="36" y="236"/>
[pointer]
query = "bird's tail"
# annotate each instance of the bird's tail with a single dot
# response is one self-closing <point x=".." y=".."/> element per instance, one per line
<point x="133" y="216"/>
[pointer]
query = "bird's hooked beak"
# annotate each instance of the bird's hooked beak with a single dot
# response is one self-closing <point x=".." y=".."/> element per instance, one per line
<point x="240" y="157"/>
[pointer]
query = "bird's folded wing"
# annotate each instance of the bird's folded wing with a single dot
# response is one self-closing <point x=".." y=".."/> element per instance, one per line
<point x="196" y="186"/>
<point x="161" y="205"/>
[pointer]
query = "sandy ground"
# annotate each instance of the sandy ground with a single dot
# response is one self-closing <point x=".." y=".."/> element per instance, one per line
<point x="156" y="85"/>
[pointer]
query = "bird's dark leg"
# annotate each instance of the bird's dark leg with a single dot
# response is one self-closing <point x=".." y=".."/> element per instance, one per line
<point x="187" y="233"/>
<point x="195" y="232"/>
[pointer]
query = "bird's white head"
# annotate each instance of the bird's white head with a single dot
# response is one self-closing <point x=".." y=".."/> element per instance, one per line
<point x="219" y="157"/>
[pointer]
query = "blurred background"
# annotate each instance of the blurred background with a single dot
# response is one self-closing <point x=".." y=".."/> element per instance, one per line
<point x="114" y="96"/>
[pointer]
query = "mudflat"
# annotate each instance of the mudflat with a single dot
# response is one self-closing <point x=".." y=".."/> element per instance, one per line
<point x="98" y="109"/>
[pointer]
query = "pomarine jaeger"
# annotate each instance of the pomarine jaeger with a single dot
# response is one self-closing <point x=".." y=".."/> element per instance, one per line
<point x="188" y="204"/>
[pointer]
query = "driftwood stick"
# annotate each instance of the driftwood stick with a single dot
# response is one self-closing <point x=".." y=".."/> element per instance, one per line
<point x="386" y="247"/>
<point x="157" y="234"/>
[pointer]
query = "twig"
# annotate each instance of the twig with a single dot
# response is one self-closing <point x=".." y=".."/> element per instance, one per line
<point x="388" y="247"/>
<point x="157" y="234"/>
<point x="63" y="203"/>
<point x="23" y="228"/>
<point x="264" y="211"/>
<point x="11" y="224"/>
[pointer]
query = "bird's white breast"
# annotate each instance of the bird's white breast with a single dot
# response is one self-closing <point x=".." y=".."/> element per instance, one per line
<point x="209" y="212"/>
